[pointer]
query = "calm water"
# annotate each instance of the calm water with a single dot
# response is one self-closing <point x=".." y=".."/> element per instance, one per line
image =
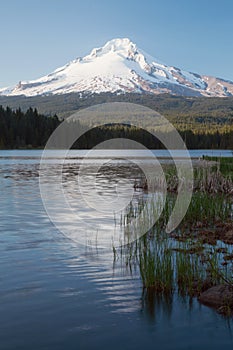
<point x="57" y="294"/>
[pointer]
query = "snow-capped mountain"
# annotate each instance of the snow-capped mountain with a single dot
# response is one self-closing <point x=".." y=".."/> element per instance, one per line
<point x="118" y="67"/>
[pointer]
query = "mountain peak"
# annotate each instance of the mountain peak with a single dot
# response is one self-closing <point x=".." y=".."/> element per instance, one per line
<point x="122" y="46"/>
<point x="119" y="67"/>
<point x="119" y="44"/>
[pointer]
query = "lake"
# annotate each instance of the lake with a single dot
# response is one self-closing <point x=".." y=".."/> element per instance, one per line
<point x="59" y="294"/>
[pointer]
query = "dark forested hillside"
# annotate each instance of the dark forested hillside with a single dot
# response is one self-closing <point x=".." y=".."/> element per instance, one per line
<point x="24" y="130"/>
<point x="31" y="130"/>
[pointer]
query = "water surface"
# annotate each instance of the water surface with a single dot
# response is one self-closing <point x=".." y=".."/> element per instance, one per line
<point x="57" y="294"/>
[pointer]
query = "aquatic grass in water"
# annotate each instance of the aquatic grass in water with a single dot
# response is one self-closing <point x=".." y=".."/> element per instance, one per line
<point x="166" y="265"/>
<point x="190" y="274"/>
<point x="208" y="208"/>
<point x="156" y="264"/>
<point x="189" y="263"/>
<point x="205" y="209"/>
<point x="190" y="266"/>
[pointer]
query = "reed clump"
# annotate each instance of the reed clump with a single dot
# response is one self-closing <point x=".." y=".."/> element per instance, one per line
<point x="210" y="176"/>
<point x="156" y="265"/>
<point x="199" y="254"/>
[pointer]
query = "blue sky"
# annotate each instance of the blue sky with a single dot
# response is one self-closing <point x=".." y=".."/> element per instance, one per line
<point x="39" y="36"/>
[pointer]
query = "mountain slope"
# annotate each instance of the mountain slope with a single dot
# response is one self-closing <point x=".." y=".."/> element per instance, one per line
<point x="120" y="67"/>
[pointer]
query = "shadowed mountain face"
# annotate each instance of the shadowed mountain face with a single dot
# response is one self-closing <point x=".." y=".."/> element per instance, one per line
<point x="120" y="67"/>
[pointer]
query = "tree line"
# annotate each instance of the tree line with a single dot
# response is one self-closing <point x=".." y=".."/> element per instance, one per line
<point x="25" y="130"/>
<point x="30" y="129"/>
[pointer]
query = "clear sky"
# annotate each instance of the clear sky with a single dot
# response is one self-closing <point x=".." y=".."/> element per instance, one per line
<point x="38" y="36"/>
